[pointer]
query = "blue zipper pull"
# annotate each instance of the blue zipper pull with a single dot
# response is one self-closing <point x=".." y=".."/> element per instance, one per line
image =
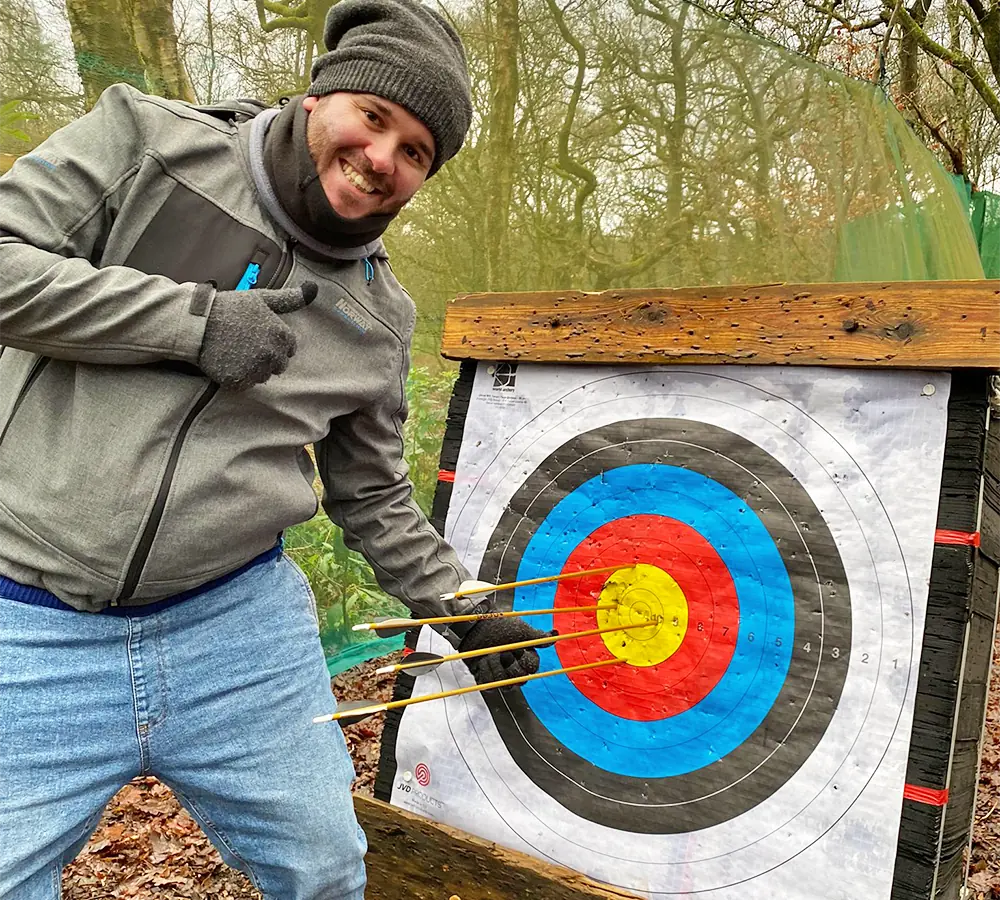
<point x="369" y="271"/>
<point x="249" y="278"/>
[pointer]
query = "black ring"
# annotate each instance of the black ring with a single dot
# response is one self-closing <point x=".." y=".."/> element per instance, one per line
<point x="808" y="699"/>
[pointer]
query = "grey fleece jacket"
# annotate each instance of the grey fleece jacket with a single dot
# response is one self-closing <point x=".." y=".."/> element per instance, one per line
<point x="126" y="476"/>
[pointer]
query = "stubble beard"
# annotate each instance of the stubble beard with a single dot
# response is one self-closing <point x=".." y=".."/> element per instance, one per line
<point x="326" y="155"/>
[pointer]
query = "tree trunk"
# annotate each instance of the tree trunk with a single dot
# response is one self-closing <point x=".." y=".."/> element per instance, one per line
<point x="156" y="39"/>
<point x="991" y="38"/>
<point x="909" y="79"/>
<point x="105" y="47"/>
<point x="501" y="152"/>
<point x="677" y="126"/>
<point x="316" y="20"/>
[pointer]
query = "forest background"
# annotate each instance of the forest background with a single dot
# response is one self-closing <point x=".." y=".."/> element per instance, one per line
<point x="615" y="144"/>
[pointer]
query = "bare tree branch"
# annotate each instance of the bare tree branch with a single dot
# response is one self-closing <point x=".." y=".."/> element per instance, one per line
<point x="286" y="10"/>
<point x="569" y="165"/>
<point x="955" y="153"/>
<point x="955" y="58"/>
<point x="977" y="9"/>
<point x="847" y="24"/>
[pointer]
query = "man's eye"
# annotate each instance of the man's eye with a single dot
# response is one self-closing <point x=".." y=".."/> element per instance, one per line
<point x="372" y="117"/>
<point x="413" y="153"/>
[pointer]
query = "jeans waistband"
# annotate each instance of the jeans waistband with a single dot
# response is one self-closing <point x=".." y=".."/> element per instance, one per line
<point x="34" y="596"/>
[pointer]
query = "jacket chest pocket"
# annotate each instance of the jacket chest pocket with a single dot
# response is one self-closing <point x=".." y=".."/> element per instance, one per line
<point x="190" y="239"/>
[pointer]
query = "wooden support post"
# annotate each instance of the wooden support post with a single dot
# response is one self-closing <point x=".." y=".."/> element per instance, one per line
<point x="410" y="858"/>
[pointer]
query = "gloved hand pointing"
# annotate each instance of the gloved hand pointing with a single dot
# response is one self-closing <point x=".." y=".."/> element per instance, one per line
<point x="507" y="663"/>
<point x="245" y="341"/>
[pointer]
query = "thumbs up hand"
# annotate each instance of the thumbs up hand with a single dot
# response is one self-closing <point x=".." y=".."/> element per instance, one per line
<point x="245" y="341"/>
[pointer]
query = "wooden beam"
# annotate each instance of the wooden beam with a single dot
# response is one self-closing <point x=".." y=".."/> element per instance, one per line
<point x="918" y="324"/>
<point x="411" y="858"/>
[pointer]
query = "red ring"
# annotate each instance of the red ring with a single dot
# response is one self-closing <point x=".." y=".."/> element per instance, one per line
<point x="647" y="693"/>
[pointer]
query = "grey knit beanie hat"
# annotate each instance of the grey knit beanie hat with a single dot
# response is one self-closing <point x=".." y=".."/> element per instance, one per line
<point x="406" y="53"/>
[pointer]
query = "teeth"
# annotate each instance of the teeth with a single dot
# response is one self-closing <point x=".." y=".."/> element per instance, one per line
<point x="356" y="178"/>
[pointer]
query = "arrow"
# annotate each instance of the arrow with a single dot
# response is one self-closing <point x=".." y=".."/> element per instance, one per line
<point x="428" y="662"/>
<point x="356" y="710"/>
<point x="392" y="626"/>
<point x="484" y="587"/>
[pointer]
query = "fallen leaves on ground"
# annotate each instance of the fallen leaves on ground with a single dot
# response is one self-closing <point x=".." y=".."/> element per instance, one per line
<point x="984" y="868"/>
<point x="147" y="846"/>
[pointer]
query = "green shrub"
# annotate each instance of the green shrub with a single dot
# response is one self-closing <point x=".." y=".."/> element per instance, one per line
<point x="344" y="584"/>
<point x="428" y="394"/>
<point x="12" y="116"/>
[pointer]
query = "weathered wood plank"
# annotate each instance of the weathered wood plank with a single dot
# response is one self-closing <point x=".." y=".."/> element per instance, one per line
<point x="410" y="858"/>
<point x="931" y="324"/>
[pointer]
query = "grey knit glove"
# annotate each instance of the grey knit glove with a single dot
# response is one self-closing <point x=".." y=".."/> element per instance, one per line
<point x="508" y="663"/>
<point x="245" y="341"/>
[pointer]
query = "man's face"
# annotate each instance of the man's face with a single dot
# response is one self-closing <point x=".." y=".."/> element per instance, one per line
<point x="371" y="154"/>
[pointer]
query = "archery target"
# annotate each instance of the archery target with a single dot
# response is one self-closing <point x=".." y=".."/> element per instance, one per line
<point x="753" y="682"/>
<point x="768" y="652"/>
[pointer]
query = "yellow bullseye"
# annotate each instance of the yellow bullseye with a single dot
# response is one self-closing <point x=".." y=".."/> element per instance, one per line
<point x="643" y="593"/>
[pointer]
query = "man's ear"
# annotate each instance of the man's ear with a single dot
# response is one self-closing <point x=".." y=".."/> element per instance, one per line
<point x="309" y="103"/>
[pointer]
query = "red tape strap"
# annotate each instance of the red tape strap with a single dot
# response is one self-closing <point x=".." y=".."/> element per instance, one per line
<point x="930" y="796"/>
<point x="445" y="475"/>
<point x="944" y="536"/>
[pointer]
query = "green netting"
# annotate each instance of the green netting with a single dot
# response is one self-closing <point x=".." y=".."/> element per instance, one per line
<point x="651" y="144"/>
<point x="902" y="238"/>
<point x="983" y="209"/>
<point x="986" y="227"/>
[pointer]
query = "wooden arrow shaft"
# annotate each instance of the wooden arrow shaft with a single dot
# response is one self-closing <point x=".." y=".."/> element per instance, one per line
<point x="473" y="617"/>
<point x="518" y="645"/>
<point x="562" y="576"/>
<point x="441" y="695"/>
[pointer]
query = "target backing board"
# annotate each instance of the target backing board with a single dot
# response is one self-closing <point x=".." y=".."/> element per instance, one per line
<point x="775" y="527"/>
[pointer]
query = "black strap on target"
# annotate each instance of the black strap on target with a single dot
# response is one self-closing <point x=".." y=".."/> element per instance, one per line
<point x="948" y="716"/>
<point x="458" y="409"/>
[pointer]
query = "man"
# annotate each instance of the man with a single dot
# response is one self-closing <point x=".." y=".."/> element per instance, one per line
<point x="186" y="302"/>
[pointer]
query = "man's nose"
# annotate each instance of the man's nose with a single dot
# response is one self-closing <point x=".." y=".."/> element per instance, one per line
<point x="380" y="154"/>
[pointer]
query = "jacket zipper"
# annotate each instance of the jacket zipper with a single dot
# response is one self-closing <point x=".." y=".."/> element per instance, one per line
<point x="153" y="524"/>
<point x="149" y="532"/>
<point x="36" y="369"/>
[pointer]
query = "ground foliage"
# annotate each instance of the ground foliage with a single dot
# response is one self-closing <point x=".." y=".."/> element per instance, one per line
<point x="984" y="878"/>
<point x="147" y="847"/>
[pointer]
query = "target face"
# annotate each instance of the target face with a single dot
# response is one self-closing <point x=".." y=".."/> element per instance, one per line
<point x="732" y="687"/>
<point x="761" y="623"/>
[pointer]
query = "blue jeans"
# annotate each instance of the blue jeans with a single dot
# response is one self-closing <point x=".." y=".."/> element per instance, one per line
<point x="215" y="697"/>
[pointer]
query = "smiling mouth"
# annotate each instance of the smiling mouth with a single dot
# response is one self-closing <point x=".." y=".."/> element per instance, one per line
<point x="356" y="178"/>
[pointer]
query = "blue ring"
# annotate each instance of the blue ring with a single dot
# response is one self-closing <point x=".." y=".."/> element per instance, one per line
<point x="733" y="710"/>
